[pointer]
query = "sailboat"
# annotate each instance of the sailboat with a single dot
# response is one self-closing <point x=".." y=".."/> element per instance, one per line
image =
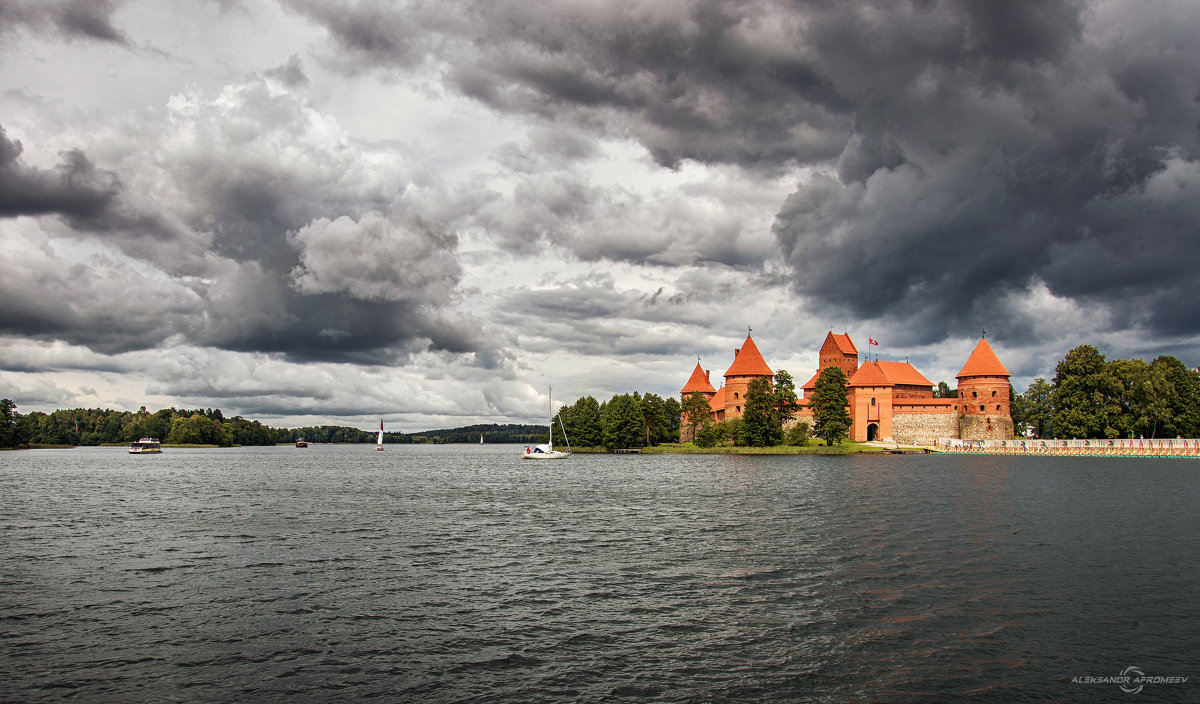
<point x="379" y="440"/>
<point x="481" y="438"/>
<point x="547" y="451"/>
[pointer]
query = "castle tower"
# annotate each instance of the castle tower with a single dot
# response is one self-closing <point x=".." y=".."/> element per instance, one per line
<point x="697" y="382"/>
<point x="983" y="396"/>
<point x="748" y="365"/>
<point x="838" y="351"/>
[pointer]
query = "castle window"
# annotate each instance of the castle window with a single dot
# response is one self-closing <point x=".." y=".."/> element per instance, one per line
<point x="974" y="394"/>
<point x="872" y="402"/>
<point x="981" y="407"/>
<point x="735" y="394"/>
<point x="993" y="394"/>
<point x="997" y="406"/>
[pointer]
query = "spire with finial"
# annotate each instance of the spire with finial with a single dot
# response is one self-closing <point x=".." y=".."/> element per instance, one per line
<point x="983" y="333"/>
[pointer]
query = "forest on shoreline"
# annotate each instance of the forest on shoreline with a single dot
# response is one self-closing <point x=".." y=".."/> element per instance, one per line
<point x="208" y="426"/>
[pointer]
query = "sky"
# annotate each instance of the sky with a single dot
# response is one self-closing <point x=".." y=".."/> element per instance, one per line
<point x="430" y="212"/>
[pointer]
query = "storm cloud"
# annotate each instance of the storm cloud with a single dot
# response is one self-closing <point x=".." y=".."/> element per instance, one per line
<point x="963" y="151"/>
<point x="452" y="203"/>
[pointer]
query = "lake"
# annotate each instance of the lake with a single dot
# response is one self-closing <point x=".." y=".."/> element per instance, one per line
<point x="460" y="573"/>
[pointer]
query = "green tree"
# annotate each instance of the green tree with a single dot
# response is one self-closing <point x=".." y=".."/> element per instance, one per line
<point x="758" y="422"/>
<point x="828" y="403"/>
<point x="1185" y="402"/>
<point x="784" y="401"/>
<point x="944" y="391"/>
<point x="196" y="429"/>
<point x="583" y="423"/>
<point x="672" y="409"/>
<point x="624" y="425"/>
<point x="14" y="430"/>
<point x="657" y="420"/>
<point x="1033" y="409"/>
<point x="1086" y="396"/>
<point x="695" y="411"/>
<point x="1149" y="397"/>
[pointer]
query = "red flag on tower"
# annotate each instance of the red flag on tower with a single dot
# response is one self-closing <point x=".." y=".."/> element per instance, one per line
<point x="872" y="341"/>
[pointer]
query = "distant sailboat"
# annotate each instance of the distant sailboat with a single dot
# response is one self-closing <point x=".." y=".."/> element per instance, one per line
<point x="481" y="438"/>
<point x="379" y="440"/>
<point x="547" y="451"/>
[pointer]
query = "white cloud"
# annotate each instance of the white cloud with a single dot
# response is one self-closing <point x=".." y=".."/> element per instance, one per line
<point x="374" y="258"/>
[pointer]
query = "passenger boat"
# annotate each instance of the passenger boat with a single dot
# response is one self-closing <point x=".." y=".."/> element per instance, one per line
<point x="144" y="446"/>
<point x="301" y="442"/>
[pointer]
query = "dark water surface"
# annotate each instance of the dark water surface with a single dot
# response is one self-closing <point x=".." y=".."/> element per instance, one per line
<point x="461" y="573"/>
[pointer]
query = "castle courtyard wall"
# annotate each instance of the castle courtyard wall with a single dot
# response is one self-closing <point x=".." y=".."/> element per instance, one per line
<point x="920" y="428"/>
<point x="975" y="427"/>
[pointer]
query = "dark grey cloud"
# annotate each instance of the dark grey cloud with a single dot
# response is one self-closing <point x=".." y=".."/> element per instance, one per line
<point x="1018" y="154"/>
<point x="712" y="81"/>
<point x="72" y="19"/>
<point x="266" y="229"/>
<point x="75" y="189"/>
<point x="980" y="149"/>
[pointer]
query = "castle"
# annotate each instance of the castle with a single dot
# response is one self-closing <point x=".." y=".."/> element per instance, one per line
<point x="887" y="400"/>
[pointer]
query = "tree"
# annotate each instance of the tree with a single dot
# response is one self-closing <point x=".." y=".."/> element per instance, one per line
<point x="196" y="429"/>
<point x="695" y="411"/>
<point x="828" y="403"/>
<point x="944" y="391"/>
<point x="1185" y="402"/>
<point x="784" y="402"/>
<point x="657" y="419"/>
<point x="14" y="429"/>
<point x="1086" y="396"/>
<point x="1033" y="409"/>
<point x="623" y="422"/>
<point x="672" y="410"/>
<point x="1147" y="397"/>
<point x="759" y="428"/>
<point x="583" y="423"/>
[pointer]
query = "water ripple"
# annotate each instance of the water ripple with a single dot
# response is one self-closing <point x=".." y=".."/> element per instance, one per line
<point x="459" y="574"/>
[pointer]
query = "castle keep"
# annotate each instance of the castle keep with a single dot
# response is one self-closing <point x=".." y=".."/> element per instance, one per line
<point x="886" y="399"/>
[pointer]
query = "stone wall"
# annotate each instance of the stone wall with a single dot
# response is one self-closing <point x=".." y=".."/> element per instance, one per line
<point x="984" y="428"/>
<point x="923" y="428"/>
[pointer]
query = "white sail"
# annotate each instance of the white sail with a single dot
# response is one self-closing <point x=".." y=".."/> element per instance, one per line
<point x="379" y="440"/>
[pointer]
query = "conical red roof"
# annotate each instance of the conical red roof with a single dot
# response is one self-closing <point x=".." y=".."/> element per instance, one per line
<point x="698" y="382"/>
<point x="749" y="362"/>
<point x="983" y="362"/>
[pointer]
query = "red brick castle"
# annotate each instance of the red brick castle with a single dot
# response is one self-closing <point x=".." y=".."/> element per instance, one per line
<point x="887" y="400"/>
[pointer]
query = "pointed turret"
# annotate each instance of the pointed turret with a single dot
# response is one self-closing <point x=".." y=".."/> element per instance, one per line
<point x="698" y="381"/>
<point x="748" y="365"/>
<point x="984" y="397"/>
<point x="748" y="361"/>
<point x="983" y="362"/>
